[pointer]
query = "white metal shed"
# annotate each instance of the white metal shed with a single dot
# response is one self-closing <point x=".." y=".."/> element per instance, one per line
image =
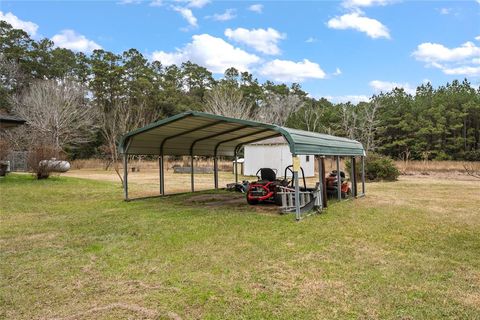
<point x="274" y="153"/>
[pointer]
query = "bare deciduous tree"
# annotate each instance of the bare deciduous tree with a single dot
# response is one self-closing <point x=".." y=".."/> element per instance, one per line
<point x="117" y="121"/>
<point x="310" y="117"/>
<point x="10" y="73"/>
<point x="368" y="125"/>
<point x="57" y="112"/>
<point x="228" y="101"/>
<point x="349" y="121"/>
<point x="278" y="108"/>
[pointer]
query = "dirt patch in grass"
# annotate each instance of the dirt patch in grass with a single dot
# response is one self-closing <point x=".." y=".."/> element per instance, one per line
<point x="233" y="200"/>
<point x="121" y="310"/>
<point x="215" y="199"/>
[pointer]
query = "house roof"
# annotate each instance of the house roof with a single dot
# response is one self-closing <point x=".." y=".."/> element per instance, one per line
<point x="9" y="121"/>
<point x="204" y="134"/>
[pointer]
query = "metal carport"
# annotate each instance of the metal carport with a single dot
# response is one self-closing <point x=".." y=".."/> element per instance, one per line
<point x="195" y="133"/>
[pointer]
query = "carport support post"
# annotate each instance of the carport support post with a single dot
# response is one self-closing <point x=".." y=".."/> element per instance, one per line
<point x="324" y="183"/>
<point x="363" y="175"/>
<point x="236" y="166"/>
<point x="353" y="177"/>
<point x="125" y="175"/>
<point x="320" y="181"/>
<point x="192" y="179"/>
<point x="160" y="173"/>
<point x="215" y="171"/>
<point x="339" y="179"/>
<point x="296" y="165"/>
<point x="297" y="196"/>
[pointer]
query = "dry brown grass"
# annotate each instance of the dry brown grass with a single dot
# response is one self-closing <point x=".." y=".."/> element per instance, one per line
<point x="145" y="180"/>
<point x="414" y="166"/>
<point x="142" y="163"/>
<point x="427" y="167"/>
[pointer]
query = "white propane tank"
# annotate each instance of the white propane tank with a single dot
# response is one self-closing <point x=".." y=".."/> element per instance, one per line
<point x="55" y="165"/>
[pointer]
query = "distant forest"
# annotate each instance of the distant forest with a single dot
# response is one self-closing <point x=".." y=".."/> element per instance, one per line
<point x="126" y="90"/>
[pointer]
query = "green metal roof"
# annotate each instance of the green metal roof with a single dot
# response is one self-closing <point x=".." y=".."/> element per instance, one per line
<point x="204" y="134"/>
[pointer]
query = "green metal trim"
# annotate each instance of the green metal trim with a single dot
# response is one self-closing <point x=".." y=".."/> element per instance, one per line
<point x="149" y="127"/>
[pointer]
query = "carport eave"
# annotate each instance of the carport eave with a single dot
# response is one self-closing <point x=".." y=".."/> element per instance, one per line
<point x="128" y="135"/>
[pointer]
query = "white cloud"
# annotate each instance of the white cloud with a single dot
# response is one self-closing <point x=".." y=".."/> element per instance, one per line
<point x="365" y="3"/>
<point x="385" y="86"/>
<point x="258" y="8"/>
<point x="213" y="53"/>
<point x="229" y="14"/>
<point x="156" y="3"/>
<point x="194" y="3"/>
<point x="291" y="71"/>
<point x="27" y="26"/>
<point x="187" y="14"/>
<point x="463" y="70"/>
<point x="477" y="38"/>
<point x="69" y="39"/>
<point x="356" y="20"/>
<point x="445" y="11"/>
<point x="337" y="72"/>
<point x="262" y="40"/>
<point x="129" y="2"/>
<point x="310" y="40"/>
<point x="452" y="61"/>
<point x="198" y="3"/>
<point x="355" y="99"/>
<point x="434" y="52"/>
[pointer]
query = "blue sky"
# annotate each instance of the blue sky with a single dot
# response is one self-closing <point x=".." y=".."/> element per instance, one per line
<point x="345" y="50"/>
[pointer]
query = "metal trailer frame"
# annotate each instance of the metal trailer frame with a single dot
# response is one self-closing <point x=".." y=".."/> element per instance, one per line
<point x="141" y="141"/>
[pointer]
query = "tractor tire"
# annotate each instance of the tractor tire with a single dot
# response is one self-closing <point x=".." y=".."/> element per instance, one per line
<point x="252" y="202"/>
<point x="278" y="199"/>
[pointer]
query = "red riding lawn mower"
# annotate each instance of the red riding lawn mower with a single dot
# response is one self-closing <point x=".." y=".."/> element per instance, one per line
<point x="332" y="185"/>
<point x="267" y="187"/>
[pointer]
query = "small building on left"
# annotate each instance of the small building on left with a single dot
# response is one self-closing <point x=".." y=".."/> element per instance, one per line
<point x="7" y="122"/>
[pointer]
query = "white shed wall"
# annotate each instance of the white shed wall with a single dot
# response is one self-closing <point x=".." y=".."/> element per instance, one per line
<point x="276" y="156"/>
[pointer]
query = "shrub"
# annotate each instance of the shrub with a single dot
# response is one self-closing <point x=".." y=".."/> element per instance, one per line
<point x="4" y="148"/>
<point x="473" y="155"/>
<point x="36" y="156"/>
<point x="377" y="167"/>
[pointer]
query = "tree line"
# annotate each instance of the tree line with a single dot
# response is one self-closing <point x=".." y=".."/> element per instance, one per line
<point x="81" y="104"/>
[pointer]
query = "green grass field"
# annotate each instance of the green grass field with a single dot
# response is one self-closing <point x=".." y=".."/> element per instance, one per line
<point x="72" y="249"/>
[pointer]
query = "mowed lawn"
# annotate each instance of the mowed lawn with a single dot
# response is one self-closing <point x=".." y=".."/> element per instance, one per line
<point x="72" y="249"/>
